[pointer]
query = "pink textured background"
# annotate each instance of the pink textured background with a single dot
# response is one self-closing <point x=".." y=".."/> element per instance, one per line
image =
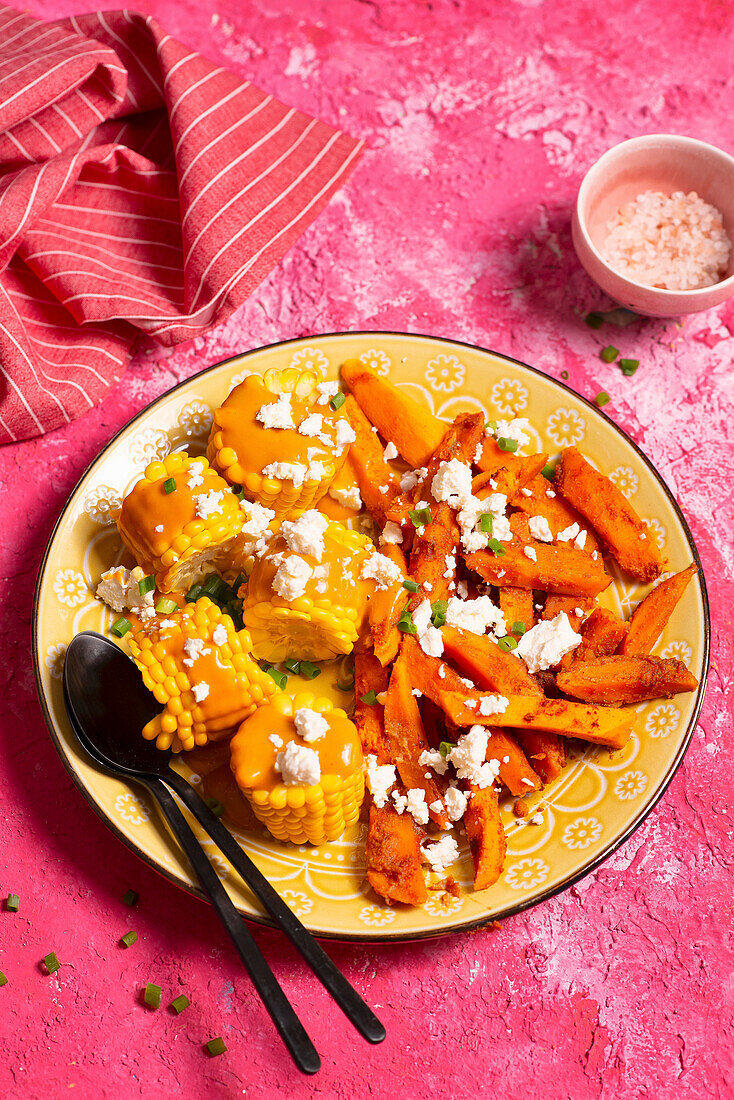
<point x="481" y="118"/>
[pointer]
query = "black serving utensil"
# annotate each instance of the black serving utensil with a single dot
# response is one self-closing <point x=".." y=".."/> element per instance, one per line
<point x="109" y="705"/>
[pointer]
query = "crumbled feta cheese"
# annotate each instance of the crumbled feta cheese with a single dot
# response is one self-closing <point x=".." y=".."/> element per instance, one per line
<point x="348" y="497"/>
<point x="380" y="569"/>
<point x="278" y="414"/>
<point x="194" y="648"/>
<point x="437" y="806"/>
<point x="493" y="704"/>
<point x="471" y="703"/>
<point x="450" y="561"/>
<point x="431" y="641"/>
<point x="146" y="613"/>
<point x="310" y="725"/>
<point x="291" y="577"/>
<point x="311" y="425"/>
<point x="298" y="764"/>
<point x="549" y="493"/>
<point x="568" y="533"/>
<point x="219" y="634"/>
<point x="422" y="615"/>
<point x="258" y="518"/>
<point x="287" y="471"/>
<point x="442" y="672"/>
<point x="346" y="755"/>
<point x="434" y="760"/>
<point x="380" y="778"/>
<point x="158" y="528"/>
<point x="326" y="390"/>
<point x="345" y="433"/>
<point x="167" y="624"/>
<point x="390" y="452"/>
<point x="543" y="645"/>
<point x="119" y="589"/>
<point x="195" y="475"/>
<point x="594" y="555"/>
<point x="580" y="540"/>
<point x="527" y="492"/>
<point x="400" y="802"/>
<point x="391" y="533"/>
<point x="456" y="802"/>
<point x="527" y="782"/>
<point x="452" y="482"/>
<point x="540" y="529"/>
<point x="537" y="819"/>
<point x="209" y="504"/>
<point x="513" y="429"/>
<point x="411" y="478"/>
<point x="468" y="758"/>
<point x="478" y="452"/>
<point x="305" y="535"/>
<point x="578" y="611"/>
<point x="383" y="488"/>
<point x="275" y="740"/>
<point x="416" y="805"/>
<point x="201" y="691"/>
<point x="531" y="553"/>
<point x="476" y="616"/>
<point x="440" y="854"/>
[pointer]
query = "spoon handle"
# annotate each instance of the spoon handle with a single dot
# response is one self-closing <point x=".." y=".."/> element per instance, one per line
<point x="281" y="1011"/>
<point x="349" y="1001"/>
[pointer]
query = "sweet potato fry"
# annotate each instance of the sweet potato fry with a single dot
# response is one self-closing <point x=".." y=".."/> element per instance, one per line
<point x="533" y="499"/>
<point x="554" y="605"/>
<point x="367" y="459"/>
<point x="558" y="569"/>
<point x="486" y="664"/>
<point x="508" y="470"/>
<point x="650" y="616"/>
<point x="399" y="418"/>
<point x="460" y="442"/>
<point x="428" y="558"/>
<point x="369" y="675"/>
<point x="486" y="836"/>
<point x="516" y="771"/>
<point x="407" y="739"/>
<point x="516" y="605"/>
<point x="601" y="634"/>
<point x="384" y="611"/>
<point x="393" y="856"/>
<point x="620" y="679"/>
<point x="610" y="514"/>
<point x="545" y="751"/>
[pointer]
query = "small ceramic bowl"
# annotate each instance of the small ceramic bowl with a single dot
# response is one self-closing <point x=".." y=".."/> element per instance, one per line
<point x="655" y="162"/>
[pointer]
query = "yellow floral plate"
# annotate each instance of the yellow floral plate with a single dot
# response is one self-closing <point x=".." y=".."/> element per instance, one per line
<point x="588" y="811"/>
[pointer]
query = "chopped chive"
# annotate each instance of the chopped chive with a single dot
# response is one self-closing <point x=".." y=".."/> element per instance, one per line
<point x="291" y="666"/>
<point x="445" y="748"/>
<point x="152" y="995"/>
<point x="129" y="939"/>
<point x="486" y="522"/>
<point x="280" y="677"/>
<point x="564" y="375"/>
<point x="594" y="320"/>
<point x="406" y="624"/>
<point x="193" y="593"/>
<point x="12" y="903"/>
<point x="337" y="401"/>
<point x="496" y="547"/>
<point x="237" y="583"/>
<point x="370" y="698"/>
<point x="3" y="979"/>
<point x="215" y="588"/>
<point x="237" y="490"/>
<point x="121" y="627"/>
<point x="490" y="426"/>
<point x="628" y="366"/>
<point x="602" y="399"/>
<point x="178" y="1004"/>
<point x="215" y="806"/>
<point x="348" y="685"/>
<point x="518" y="628"/>
<point x="438" y="612"/>
<point x="51" y="963"/>
<point x="170" y="485"/>
<point x="130" y="898"/>
<point x="420" y="516"/>
<point x="166" y="606"/>
<point x="548" y="471"/>
<point x="217" y="1046"/>
<point x="147" y="584"/>
<point x="309" y="670"/>
<point x="506" y="444"/>
<point x="507" y="643"/>
<point x="609" y="353"/>
<point x="234" y="610"/>
<point x="411" y="586"/>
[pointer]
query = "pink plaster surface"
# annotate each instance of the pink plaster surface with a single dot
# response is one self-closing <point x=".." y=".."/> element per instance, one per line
<point x="481" y="118"/>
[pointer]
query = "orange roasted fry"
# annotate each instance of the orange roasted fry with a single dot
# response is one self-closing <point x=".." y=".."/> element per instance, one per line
<point x="509" y="471"/>
<point x="367" y="459"/>
<point x="601" y="634"/>
<point x="620" y="679"/>
<point x="486" y="836"/>
<point x="486" y="664"/>
<point x="611" y="515"/>
<point x="651" y="615"/>
<point x="516" y="604"/>
<point x="534" y="500"/>
<point x="558" y="569"/>
<point x="545" y="751"/>
<point x="459" y="442"/>
<point x="516" y="771"/>
<point x="433" y="548"/>
<point x="399" y="418"/>
<point x="369" y="675"/>
<point x="554" y="605"/>
<point x="384" y="610"/>
<point x="393" y="856"/>
<point x="407" y="739"/>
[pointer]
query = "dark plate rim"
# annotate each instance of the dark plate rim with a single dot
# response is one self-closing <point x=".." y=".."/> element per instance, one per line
<point x="449" y="929"/>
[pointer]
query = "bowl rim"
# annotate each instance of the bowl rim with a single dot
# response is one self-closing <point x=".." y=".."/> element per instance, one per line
<point x="630" y="144"/>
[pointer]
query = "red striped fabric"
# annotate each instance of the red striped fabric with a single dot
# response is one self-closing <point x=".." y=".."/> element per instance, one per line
<point x="142" y="189"/>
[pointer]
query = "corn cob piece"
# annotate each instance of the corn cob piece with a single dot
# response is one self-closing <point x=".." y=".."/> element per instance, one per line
<point x="299" y="764"/>
<point x="178" y="518"/>
<point x="305" y="607"/>
<point x="259" y="439"/>
<point x="199" y="667"/>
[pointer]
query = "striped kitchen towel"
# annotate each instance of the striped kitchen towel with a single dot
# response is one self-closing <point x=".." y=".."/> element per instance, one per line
<point x="142" y="189"/>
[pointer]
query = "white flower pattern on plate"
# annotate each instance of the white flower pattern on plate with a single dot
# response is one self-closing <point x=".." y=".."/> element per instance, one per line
<point x="443" y="905"/>
<point x="100" y="504"/>
<point x="70" y="588"/>
<point x="509" y="396"/>
<point x="581" y="833"/>
<point x="657" y="530"/>
<point x="149" y="445"/>
<point x="630" y="785"/>
<point x="527" y="873"/>
<point x="663" y="720"/>
<point x="132" y="809"/>
<point x="309" y="357"/>
<point x="626" y="480"/>
<point x="445" y="373"/>
<point x="54" y="662"/>
<point x="375" y="915"/>
<point x="238" y="379"/>
<point x="196" y="418"/>
<point x="377" y="360"/>
<point x="678" y="651"/>
<point x="566" y="427"/>
<point x="300" y="903"/>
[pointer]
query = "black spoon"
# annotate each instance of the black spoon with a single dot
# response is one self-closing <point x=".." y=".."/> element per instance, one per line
<point x="108" y="705"/>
